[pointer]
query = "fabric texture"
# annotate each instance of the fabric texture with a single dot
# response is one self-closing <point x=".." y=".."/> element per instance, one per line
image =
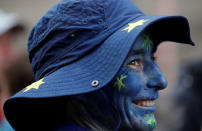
<point x="70" y="127"/>
<point x="78" y="46"/>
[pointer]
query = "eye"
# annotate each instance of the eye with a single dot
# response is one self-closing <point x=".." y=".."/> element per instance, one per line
<point x="135" y="64"/>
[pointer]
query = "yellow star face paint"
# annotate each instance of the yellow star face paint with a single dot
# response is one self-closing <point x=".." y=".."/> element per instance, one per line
<point x="119" y="83"/>
<point x="132" y="26"/>
<point x="34" y="85"/>
<point x="136" y="94"/>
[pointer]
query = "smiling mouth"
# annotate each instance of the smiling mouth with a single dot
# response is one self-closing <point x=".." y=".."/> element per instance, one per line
<point x="145" y="103"/>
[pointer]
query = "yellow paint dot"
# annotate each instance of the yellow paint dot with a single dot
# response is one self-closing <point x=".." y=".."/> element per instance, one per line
<point x="132" y="26"/>
<point x="34" y="85"/>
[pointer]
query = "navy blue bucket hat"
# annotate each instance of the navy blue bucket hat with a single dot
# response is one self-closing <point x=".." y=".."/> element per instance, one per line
<point x="78" y="46"/>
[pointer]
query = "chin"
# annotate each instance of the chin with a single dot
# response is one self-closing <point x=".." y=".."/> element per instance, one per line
<point x="138" y="116"/>
<point x="145" y="123"/>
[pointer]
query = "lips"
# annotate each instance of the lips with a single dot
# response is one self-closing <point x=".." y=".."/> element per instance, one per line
<point x="144" y="103"/>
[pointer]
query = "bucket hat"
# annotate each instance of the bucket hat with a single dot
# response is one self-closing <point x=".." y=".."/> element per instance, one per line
<point x="78" y="46"/>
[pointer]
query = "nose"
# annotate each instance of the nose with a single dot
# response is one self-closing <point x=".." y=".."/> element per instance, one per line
<point x="156" y="79"/>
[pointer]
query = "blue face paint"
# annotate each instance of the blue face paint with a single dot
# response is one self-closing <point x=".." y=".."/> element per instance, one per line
<point x="136" y="86"/>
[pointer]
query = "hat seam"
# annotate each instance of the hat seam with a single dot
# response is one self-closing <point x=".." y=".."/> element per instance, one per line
<point x="58" y="57"/>
<point x="55" y="69"/>
<point x="69" y="90"/>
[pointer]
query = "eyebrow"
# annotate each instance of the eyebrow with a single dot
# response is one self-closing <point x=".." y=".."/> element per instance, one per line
<point x="138" y="51"/>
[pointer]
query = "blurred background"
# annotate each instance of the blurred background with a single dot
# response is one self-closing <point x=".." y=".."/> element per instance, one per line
<point x="174" y="59"/>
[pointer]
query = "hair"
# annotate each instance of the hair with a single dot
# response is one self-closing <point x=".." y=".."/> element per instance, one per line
<point x="93" y="110"/>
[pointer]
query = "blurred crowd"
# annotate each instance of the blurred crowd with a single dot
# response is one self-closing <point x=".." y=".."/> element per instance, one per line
<point x="16" y="73"/>
<point x="15" y="70"/>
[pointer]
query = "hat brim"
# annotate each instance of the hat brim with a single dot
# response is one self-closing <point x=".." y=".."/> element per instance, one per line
<point x="101" y="66"/>
<point x="105" y="61"/>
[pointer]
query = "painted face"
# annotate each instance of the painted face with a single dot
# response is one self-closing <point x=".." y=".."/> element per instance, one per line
<point x="136" y="86"/>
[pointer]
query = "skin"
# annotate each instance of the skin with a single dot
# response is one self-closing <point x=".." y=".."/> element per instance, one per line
<point x="139" y="79"/>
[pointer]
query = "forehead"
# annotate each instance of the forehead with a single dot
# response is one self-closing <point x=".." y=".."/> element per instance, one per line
<point x="144" y="42"/>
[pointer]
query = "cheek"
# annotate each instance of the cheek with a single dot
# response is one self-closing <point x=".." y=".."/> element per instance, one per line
<point x="132" y="82"/>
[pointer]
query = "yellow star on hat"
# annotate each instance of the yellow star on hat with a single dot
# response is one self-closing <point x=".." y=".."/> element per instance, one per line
<point x="131" y="26"/>
<point x="34" y="85"/>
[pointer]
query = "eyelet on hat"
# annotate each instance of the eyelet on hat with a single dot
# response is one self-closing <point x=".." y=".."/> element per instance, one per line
<point x="72" y="35"/>
<point x="100" y="21"/>
<point x="85" y="21"/>
<point x="94" y="83"/>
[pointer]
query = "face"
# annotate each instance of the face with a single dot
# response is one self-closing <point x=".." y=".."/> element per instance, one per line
<point x="136" y="86"/>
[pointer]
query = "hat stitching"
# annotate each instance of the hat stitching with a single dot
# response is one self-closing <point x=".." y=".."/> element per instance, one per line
<point x="60" y="67"/>
<point x="70" y="82"/>
<point x="62" y="54"/>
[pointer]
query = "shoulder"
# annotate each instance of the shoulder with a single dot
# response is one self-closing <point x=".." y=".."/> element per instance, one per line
<point x="70" y="126"/>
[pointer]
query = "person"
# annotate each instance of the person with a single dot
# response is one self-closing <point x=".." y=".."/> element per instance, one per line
<point x="94" y="66"/>
<point x="16" y="75"/>
<point x="9" y="25"/>
<point x="188" y="96"/>
<point x="7" y="48"/>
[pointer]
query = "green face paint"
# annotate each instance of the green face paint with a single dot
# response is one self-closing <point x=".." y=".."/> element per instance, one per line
<point x="138" y="82"/>
<point x="150" y="121"/>
<point x="119" y="82"/>
<point x="148" y="44"/>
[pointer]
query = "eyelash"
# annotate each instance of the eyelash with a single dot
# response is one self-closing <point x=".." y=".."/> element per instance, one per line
<point x="135" y="64"/>
<point x="138" y="64"/>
